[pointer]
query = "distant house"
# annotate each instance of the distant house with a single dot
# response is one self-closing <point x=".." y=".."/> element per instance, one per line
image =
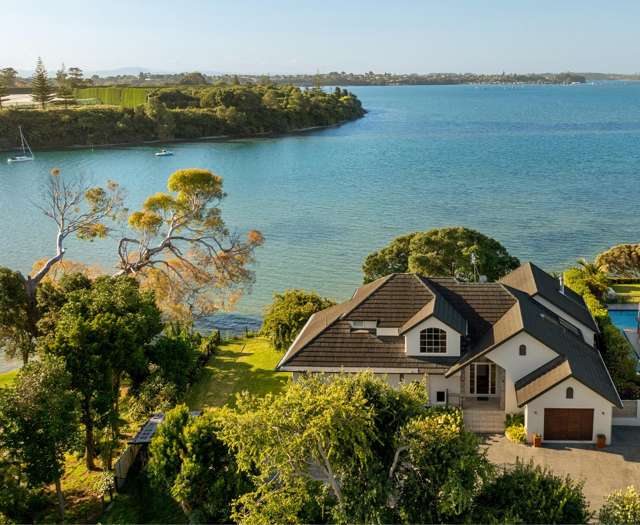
<point x="524" y="344"/>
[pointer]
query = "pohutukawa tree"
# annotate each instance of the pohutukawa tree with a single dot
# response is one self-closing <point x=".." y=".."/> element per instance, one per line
<point x="181" y="242"/>
<point x="76" y="208"/>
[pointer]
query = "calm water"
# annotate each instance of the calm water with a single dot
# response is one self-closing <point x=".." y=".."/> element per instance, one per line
<point x="553" y="172"/>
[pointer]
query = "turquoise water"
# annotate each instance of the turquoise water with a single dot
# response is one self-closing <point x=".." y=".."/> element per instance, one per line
<point x="553" y="172"/>
<point x="624" y="318"/>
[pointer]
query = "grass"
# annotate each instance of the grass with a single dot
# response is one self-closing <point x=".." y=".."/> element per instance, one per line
<point x="7" y="378"/>
<point x="238" y="365"/>
<point x="627" y="293"/>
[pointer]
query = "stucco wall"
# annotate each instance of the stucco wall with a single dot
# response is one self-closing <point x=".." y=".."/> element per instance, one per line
<point x="588" y="334"/>
<point x="438" y="382"/>
<point x="507" y="356"/>
<point x="412" y="338"/>
<point x="583" y="397"/>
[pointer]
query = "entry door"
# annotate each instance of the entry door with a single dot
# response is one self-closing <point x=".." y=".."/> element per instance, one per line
<point x="568" y="424"/>
<point x="482" y="379"/>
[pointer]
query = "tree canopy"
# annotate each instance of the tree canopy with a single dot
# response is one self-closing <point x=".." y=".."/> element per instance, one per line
<point x="288" y="313"/>
<point x="441" y="252"/>
<point x="622" y="260"/>
<point x="41" y="86"/>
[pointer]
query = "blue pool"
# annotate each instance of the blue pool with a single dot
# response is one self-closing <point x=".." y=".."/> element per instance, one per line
<point x="624" y="318"/>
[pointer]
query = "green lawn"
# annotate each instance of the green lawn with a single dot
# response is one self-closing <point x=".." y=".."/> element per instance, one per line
<point x="7" y="378"/>
<point x="628" y="293"/>
<point x="238" y="365"/>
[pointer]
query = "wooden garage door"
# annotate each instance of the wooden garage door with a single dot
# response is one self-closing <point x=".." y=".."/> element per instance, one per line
<point x="568" y="424"/>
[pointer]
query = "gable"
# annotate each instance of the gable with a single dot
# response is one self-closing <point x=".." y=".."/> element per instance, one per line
<point x="507" y="355"/>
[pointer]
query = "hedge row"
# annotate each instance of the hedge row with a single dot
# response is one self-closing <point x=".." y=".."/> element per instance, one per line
<point x="128" y="97"/>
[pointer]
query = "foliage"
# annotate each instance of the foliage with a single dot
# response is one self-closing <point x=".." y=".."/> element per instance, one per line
<point x="155" y="394"/>
<point x="187" y="459"/>
<point x="288" y="314"/>
<point x="621" y="508"/>
<point x="17" y="324"/>
<point x="102" y="333"/>
<point x="220" y="110"/>
<point x="19" y="502"/>
<point x="516" y="433"/>
<point x="622" y="260"/>
<point x="366" y="440"/>
<point x="441" y="252"/>
<point x="439" y="474"/>
<point x="39" y="419"/>
<point x="41" y="86"/>
<point x="528" y="493"/>
<point x="615" y="349"/>
<point x="593" y="277"/>
<point x="182" y="235"/>
<point x="515" y="418"/>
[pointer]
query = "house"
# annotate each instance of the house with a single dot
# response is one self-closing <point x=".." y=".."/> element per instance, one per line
<point x="524" y="344"/>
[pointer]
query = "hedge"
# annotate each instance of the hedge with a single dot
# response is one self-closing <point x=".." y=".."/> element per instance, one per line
<point x="128" y="97"/>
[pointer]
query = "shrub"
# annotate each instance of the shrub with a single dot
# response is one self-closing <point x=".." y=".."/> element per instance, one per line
<point x="516" y="418"/>
<point x="516" y="433"/>
<point x="528" y="493"/>
<point x="288" y="313"/>
<point x="621" y="507"/>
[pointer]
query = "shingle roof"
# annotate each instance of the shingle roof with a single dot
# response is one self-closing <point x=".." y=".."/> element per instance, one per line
<point x="533" y="280"/>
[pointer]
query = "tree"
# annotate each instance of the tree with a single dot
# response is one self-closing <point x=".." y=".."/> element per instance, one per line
<point x="442" y="252"/>
<point x="182" y="235"/>
<point x="41" y="87"/>
<point x="39" y="419"/>
<point x="364" y="439"/>
<point x="4" y="90"/>
<point x="8" y="76"/>
<point x="195" y="79"/>
<point x="622" y="260"/>
<point x="76" y="77"/>
<point x="528" y="493"/>
<point x="593" y="277"/>
<point x="621" y="508"/>
<point x="64" y="89"/>
<point x="102" y="333"/>
<point x="188" y="460"/>
<point x="288" y="314"/>
<point x="76" y="209"/>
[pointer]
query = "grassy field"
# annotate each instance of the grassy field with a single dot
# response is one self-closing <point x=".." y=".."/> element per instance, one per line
<point x="240" y="364"/>
<point x="7" y="378"/>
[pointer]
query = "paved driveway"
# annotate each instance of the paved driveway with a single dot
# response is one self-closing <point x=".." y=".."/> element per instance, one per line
<point x="603" y="471"/>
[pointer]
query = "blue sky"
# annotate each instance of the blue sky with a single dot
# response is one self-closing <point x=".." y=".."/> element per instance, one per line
<point x="275" y="36"/>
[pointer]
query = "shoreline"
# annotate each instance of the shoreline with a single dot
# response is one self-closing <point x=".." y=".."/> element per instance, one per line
<point x="211" y="138"/>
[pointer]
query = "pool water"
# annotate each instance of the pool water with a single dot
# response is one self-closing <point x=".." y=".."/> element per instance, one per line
<point x="624" y="318"/>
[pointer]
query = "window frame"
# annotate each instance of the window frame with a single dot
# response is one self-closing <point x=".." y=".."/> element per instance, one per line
<point x="569" y="393"/>
<point x="432" y="340"/>
<point x="522" y="350"/>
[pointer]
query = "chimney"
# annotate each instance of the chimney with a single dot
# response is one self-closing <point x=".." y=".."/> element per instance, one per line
<point x="561" y="283"/>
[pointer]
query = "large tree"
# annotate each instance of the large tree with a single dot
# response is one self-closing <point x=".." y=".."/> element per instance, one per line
<point x="365" y="439"/>
<point x="39" y="421"/>
<point x="622" y="260"/>
<point x="288" y="313"/>
<point x="41" y="87"/>
<point x="102" y="333"/>
<point x="181" y="237"/>
<point x="76" y="208"/>
<point x="8" y="76"/>
<point x="456" y="252"/>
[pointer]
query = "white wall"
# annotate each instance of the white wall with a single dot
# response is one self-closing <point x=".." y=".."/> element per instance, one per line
<point x="412" y="338"/>
<point x="583" y="397"/>
<point x="588" y="334"/>
<point x="626" y="418"/>
<point x="507" y="356"/>
<point x="438" y="382"/>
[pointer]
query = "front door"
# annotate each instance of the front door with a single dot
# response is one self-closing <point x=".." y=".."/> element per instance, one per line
<point x="482" y="379"/>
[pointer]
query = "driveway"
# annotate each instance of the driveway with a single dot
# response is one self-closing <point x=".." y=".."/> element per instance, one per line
<point x="603" y="471"/>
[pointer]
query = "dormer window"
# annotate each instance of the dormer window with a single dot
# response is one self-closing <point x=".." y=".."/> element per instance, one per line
<point x="433" y="341"/>
<point x="523" y="350"/>
<point x="363" y="326"/>
<point x="569" y="392"/>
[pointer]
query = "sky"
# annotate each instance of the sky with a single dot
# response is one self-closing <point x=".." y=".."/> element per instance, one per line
<point x="305" y="36"/>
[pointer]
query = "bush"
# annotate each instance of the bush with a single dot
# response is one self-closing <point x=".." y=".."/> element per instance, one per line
<point x="515" y="418"/>
<point x="528" y="493"/>
<point x="516" y="433"/>
<point x="288" y="314"/>
<point x="621" y="507"/>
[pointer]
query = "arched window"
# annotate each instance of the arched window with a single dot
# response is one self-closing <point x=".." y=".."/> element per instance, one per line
<point x="433" y="341"/>
<point x="569" y="392"/>
<point x="523" y="349"/>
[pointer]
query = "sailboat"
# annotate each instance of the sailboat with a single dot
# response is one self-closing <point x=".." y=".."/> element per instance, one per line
<point x="25" y="148"/>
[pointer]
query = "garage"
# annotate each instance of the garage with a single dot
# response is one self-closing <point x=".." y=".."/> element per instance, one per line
<point x="568" y="424"/>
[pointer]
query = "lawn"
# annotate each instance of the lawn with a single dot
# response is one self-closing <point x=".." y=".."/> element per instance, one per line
<point x="7" y="378"/>
<point x="238" y="365"/>
<point x="628" y="293"/>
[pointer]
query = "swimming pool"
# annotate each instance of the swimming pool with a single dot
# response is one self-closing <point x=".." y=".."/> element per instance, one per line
<point x="624" y="318"/>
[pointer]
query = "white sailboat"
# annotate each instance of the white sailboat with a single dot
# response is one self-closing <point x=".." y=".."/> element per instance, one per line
<point x="25" y="149"/>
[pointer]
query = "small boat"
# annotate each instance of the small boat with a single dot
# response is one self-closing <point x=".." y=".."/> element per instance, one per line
<point x="25" y="149"/>
<point x="164" y="153"/>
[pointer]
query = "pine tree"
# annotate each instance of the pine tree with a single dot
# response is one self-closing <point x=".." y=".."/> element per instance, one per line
<point x="42" y="90"/>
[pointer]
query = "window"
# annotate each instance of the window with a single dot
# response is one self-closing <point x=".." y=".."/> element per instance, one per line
<point x="523" y="349"/>
<point x="569" y="392"/>
<point x="441" y="396"/>
<point x="433" y="341"/>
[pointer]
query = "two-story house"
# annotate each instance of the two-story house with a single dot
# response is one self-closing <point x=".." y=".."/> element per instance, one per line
<point x="523" y="344"/>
